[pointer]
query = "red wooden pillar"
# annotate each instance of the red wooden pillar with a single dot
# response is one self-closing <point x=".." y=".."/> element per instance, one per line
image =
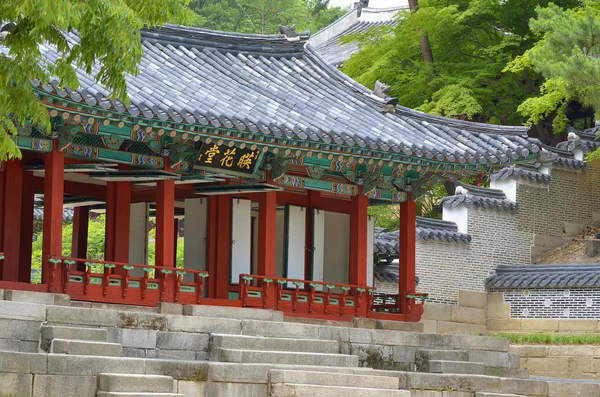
<point x="81" y="219"/>
<point x="175" y="240"/>
<point x="267" y="233"/>
<point x="27" y="205"/>
<point x="407" y="257"/>
<point x="53" y="217"/>
<point x="165" y="213"/>
<point x="308" y="234"/>
<point x="12" y="219"/>
<point x="2" y="209"/>
<point x="223" y="247"/>
<point x="118" y="212"/>
<point x="211" y="257"/>
<point x="358" y="239"/>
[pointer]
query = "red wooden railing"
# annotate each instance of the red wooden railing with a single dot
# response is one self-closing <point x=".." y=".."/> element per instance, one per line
<point x="113" y="282"/>
<point x="304" y="299"/>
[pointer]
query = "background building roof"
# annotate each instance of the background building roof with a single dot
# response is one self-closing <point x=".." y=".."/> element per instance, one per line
<point x="545" y="276"/>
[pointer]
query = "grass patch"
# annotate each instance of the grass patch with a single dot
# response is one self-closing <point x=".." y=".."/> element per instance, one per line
<point x="550" y="339"/>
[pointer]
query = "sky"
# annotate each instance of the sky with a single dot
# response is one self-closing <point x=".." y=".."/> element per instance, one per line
<point x="372" y="3"/>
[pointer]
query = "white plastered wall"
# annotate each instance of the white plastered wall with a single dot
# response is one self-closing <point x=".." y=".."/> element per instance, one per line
<point x="138" y="236"/>
<point x="280" y="225"/>
<point x="296" y="236"/>
<point x="458" y="215"/>
<point x="240" y="238"/>
<point x="195" y="235"/>
<point x="337" y="247"/>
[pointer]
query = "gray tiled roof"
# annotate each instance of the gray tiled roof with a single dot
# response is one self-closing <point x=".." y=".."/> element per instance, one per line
<point x="529" y="172"/>
<point x="272" y="85"/>
<point x="494" y="199"/>
<point x="545" y="276"/>
<point x="38" y="214"/>
<point x="386" y="242"/>
<point x="586" y="142"/>
<point x="388" y="273"/>
<point x="327" y="41"/>
<point x="566" y="158"/>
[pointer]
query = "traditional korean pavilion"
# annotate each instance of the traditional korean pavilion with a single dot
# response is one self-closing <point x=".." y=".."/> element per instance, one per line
<point x="269" y="154"/>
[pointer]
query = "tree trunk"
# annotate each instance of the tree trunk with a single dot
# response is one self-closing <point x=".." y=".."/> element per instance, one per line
<point x="426" y="52"/>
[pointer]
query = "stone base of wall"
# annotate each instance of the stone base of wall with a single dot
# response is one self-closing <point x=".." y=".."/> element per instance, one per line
<point x="499" y="320"/>
<point x="571" y="362"/>
<point x="468" y="317"/>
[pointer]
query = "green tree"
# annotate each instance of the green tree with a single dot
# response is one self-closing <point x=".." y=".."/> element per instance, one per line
<point x="265" y="16"/>
<point x="471" y="42"/>
<point x="109" y="33"/>
<point x="567" y="54"/>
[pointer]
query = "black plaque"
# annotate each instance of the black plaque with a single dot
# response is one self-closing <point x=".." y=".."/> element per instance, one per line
<point x="225" y="159"/>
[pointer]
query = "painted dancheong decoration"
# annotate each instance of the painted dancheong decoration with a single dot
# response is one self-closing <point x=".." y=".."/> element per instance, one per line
<point x="229" y="132"/>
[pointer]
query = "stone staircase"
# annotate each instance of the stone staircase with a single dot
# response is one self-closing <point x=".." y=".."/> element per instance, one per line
<point x="284" y="383"/>
<point x="119" y="385"/>
<point x="80" y="350"/>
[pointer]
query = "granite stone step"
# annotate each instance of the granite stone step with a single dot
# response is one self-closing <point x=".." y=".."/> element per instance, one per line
<point x="290" y="389"/>
<point x="85" y="348"/>
<point x="279" y="357"/>
<point x="332" y="379"/>
<point x="455" y="367"/>
<point x="440" y="354"/>
<point x="138" y="394"/>
<point x="50" y="332"/>
<point x="274" y="344"/>
<point x="132" y="383"/>
<point x="487" y="394"/>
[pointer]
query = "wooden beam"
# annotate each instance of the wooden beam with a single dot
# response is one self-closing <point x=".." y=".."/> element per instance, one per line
<point x="12" y="219"/>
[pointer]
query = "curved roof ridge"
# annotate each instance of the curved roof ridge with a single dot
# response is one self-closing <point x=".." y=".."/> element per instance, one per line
<point x="545" y="276"/>
<point x="321" y="36"/>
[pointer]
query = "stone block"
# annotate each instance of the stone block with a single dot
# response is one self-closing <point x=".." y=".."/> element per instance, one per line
<point x="504" y="325"/>
<point x="444" y="327"/>
<point x="334" y="333"/>
<point x="399" y="326"/>
<point x="64" y="386"/>
<point x="239" y="373"/>
<point x="284" y="330"/>
<point x="62" y="300"/>
<point x="50" y="332"/>
<point x="404" y="354"/>
<point x="467" y="383"/>
<point x="546" y="325"/>
<point x="205" y="324"/>
<point x="429" y="326"/>
<point x="27" y="363"/>
<point x="22" y="310"/>
<point x="578" y="326"/>
<point x="133" y="352"/>
<point x="570" y="389"/>
<point x="245" y="342"/>
<point x="176" y="354"/>
<point x="235" y="389"/>
<point x="570" y="351"/>
<point x="20" y="329"/>
<point x="579" y="365"/>
<point x="232" y="312"/>
<point x="79" y="347"/>
<point x="495" y="297"/>
<point x="474" y="299"/>
<point x="135" y="383"/>
<point x="42" y="298"/>
<point x="548" y="364"/>
<point x="426" y="393"/>
<point x="181" y="341"/>
<point x="290" y="389"/>
<point x="364" y="323"/>
<point x="191" y="389"/>
<point x="469" y="315"/>
<point x="201" y="356"/>
<point x="149" y="321"/>
<point x="498" y="310"/>
<point x="526" y="351"/>
<point x="333" y="379"/>
<point x="527" y="387"/>
<point x="195" y="371"/>
<point x="1" y="294"/>
<point x="391" y="338"/>
<point x="437" y="311"/>
<point x="9" y="345"/>
<point x="28" y="346"/>
<point x="170" y="308"/>
<point x="490" y="358"/>
<point x="15" y="385"/>
<point x="467" y="342"/>
<point x="62" y="364"/>
<point x="138" y="338"/>
<point x="253" y="356"/>
<point x="81" y="316"/>
<point x="455" y="367"/>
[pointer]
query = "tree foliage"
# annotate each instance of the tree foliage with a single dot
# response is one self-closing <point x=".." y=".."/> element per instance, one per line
<point x="109" y="34"/>
<point x="472" y="42"/>
<point x="265" y="16"/>
<point x="567" y="54"/>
